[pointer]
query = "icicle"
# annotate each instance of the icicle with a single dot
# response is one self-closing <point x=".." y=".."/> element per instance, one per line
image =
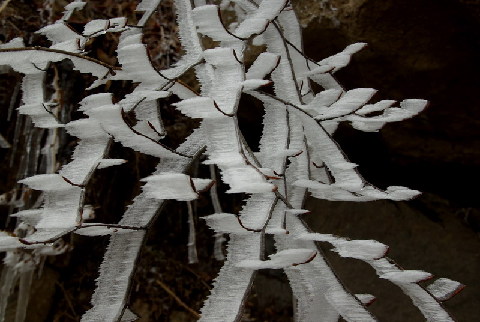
<point x="8" y="280"/>
<point x="192" y="245"/>
<point x="23" y="295"/>
<point x="13" y="100"/>
<point x="219" y="238"/>
<point x="218" y="246"/>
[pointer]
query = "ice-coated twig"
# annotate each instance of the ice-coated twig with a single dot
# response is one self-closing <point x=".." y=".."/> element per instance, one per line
<point x="296" y="155"/>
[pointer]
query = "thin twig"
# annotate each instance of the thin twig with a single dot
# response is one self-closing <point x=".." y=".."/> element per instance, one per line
<point x="204" y="283"/>
<point x="113" y="226"/>
<point x="177" y="299"/>
<point x="4" y="5"/>
<point x="68" y="300"/>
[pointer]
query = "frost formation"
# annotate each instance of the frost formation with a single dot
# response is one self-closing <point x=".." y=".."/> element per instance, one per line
<point x="296" y="156"/>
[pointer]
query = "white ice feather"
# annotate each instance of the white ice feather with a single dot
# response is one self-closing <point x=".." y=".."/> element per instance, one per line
<point x="201" y="184"/>
<point x="225" y="223"/>
<point x="63" y="37"/>
<point x="46" y="182"/>
<point x="366" y="299"/>
<point x="262" y="66"/>
<point x="199" y="107"/>
<point x="406" y="276"/>
<point x="14" y="43"/>
<point x="257" y="22"/>
<point x="443" y="288"/>
<point x="207" y="20"/>
<point x="252" y="84"/>
<point x="106" y="163"/>
<point x="377" y="107"/>
<point x="348" y="103"/>
<point x="170" y="186"/>
<point x="8" y="242"/>
<point x="323" y="100"/>
<point x="340" y="60"/>
<point x="95" y="26"/>
<point x="110" y="118"/>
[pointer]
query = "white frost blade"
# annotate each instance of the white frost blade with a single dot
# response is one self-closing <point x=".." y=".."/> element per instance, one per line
<point x="406" y="276"/>
<point x="110" y="117"/>
<point x="106" y="163"/>
<point x="257" y="23"/>
<point x="47" y="182"/>
<point x="348" y="103"/>
<point x="232" y="284"/>
<point x="444" y="288"/>
<point x="262" y="66"/>
<point x="117" y="267"/>
<point x="207" y="20"/>
<point x="170" y="186"/>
